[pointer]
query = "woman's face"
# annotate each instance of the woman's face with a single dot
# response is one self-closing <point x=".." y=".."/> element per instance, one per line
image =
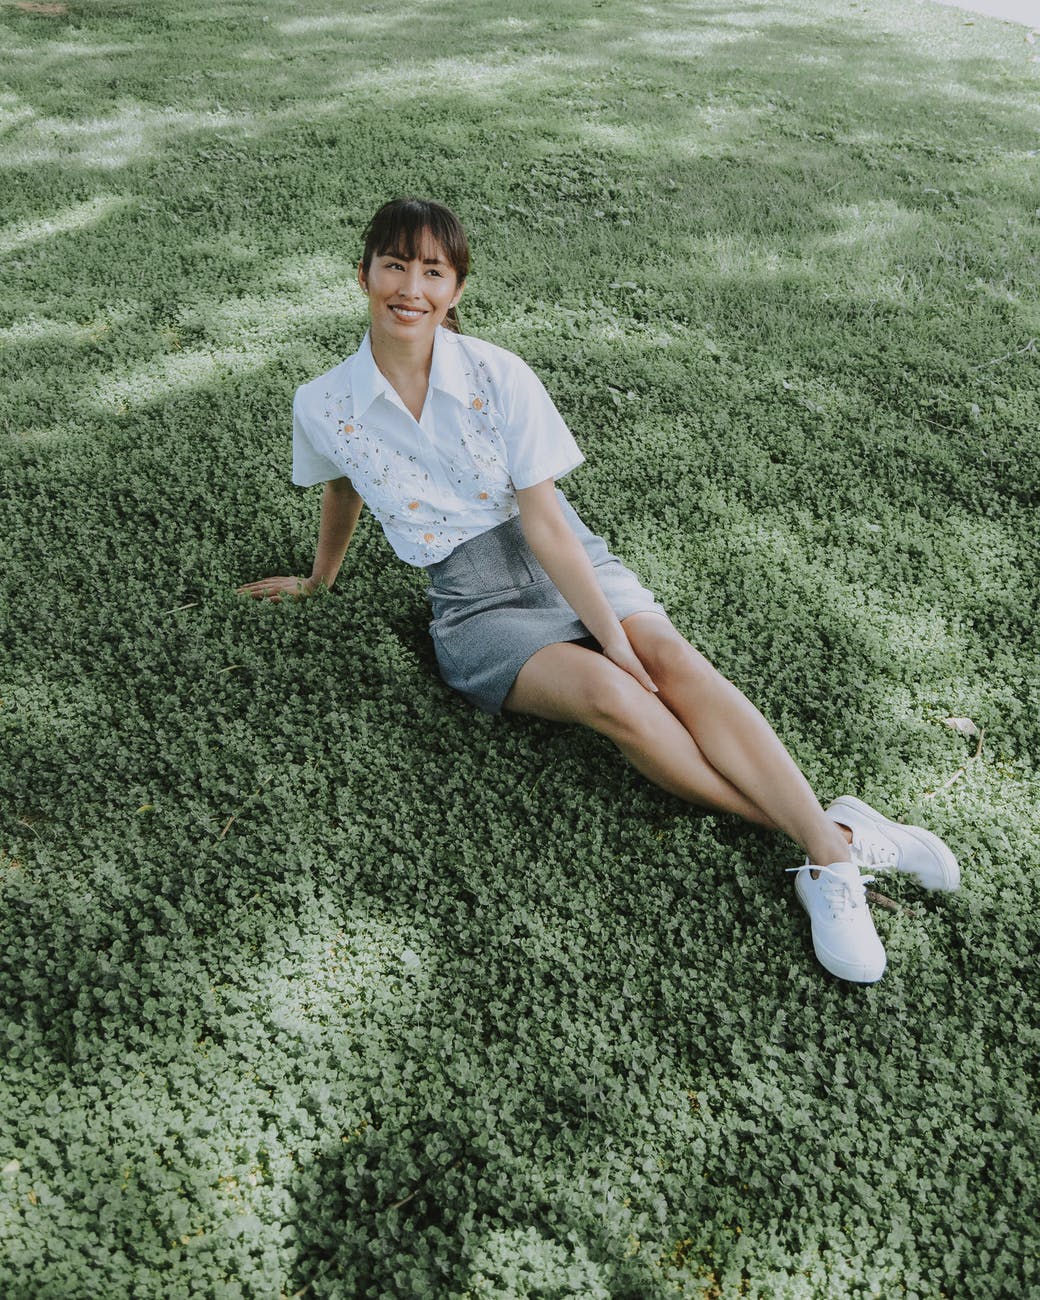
<point x="408" y="299"/>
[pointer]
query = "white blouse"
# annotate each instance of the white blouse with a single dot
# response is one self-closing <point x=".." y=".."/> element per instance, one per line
<point x="488" y="427"/>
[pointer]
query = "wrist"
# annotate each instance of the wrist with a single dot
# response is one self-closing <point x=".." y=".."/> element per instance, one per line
<point x="615" y="643"/>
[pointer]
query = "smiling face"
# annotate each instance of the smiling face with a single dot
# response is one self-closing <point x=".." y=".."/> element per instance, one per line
<point x="408" y="297"/>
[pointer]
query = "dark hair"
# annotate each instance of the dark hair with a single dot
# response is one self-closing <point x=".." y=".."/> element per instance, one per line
<point x="399" y="226"/>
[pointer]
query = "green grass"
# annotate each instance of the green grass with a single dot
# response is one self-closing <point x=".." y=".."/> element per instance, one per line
<point x="316" y="982"/>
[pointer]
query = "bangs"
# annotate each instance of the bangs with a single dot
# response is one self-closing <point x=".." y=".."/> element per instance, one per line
<point x="401" y="226"/>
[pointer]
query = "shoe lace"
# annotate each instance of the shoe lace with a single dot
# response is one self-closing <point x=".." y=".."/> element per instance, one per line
<point x="841" y="893"/>
<point x="875" y="851"/>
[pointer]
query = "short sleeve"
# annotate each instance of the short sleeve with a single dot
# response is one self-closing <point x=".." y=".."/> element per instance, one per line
<point x="308" y="465"/>
<point x="538" y="443"/>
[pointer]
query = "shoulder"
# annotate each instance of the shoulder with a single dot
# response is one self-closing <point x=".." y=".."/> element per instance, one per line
<point x="503" y="367"/>
<point x="315" y="392"/>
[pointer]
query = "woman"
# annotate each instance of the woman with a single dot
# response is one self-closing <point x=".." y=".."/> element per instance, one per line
<point x="455" y="446"/>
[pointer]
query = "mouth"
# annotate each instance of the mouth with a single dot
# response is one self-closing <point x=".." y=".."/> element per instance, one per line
<point x="407" y="313"/>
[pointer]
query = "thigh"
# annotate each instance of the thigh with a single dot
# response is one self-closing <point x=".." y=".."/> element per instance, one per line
<point x="571" y="682"/>
<point x="661" y="647"/>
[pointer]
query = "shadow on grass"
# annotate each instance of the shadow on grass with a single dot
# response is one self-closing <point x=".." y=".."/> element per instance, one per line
<point x="767" y="192"/>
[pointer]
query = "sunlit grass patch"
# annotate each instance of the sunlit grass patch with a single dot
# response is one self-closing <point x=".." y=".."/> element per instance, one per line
<point x="77" y="217"/>
<point x="315" y="981"/>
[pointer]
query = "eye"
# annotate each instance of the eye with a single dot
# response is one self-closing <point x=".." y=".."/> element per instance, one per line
<point x="433" y="271"/>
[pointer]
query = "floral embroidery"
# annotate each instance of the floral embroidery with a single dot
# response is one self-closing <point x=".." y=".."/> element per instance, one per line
<point x="403" y="478"/>
<point x="479" y="401"/>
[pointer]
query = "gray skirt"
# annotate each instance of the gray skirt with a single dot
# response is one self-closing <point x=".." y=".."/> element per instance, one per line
<point x="494" y="606"/>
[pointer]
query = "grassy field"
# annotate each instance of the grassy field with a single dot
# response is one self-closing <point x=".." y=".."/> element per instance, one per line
<point x="316" y="982"/>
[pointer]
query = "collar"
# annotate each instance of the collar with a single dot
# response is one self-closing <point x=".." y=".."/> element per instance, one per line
<point x="447" y="373"/>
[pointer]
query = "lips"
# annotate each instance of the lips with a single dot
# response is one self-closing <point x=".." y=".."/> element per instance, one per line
<point x="406" y="313"/>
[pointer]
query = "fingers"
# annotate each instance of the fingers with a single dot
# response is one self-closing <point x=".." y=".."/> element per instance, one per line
<point x="258" y="590"/>
<point x="626" y="658"/>
<point x="637" y="671"/>
<point x="635" y="667"/>
<point x="274" y="588"/>
<point x="648" y="682"/>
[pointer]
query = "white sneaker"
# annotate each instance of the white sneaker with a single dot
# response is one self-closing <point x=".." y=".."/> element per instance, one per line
<point x="885" y="845"/>
<point x="843" y="933"/>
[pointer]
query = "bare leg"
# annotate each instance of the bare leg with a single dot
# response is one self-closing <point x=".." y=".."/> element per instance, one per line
<point x="733" y="737"/>
<point x="567" y="683"/>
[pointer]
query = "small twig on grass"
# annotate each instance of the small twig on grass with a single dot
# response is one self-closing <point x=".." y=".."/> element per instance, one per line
<point x="298" y="1295"/>
<point x="534" y="784"/>
<point x="405" y="1199"/>
<point x="930" y="794"/>
<point x="934" y="424"/>
<point x="882" y="900"/>
<point x="227" y="824"/>
<point x="1029" y="347"/>
<point x="177" y="608"/>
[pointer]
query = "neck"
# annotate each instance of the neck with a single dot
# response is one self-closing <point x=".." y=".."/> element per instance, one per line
<point x="402" y="362"/>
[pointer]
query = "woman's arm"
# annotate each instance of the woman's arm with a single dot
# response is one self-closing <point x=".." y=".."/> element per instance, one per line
<point x="566" y="561"/>
<point x="340" y="508"/>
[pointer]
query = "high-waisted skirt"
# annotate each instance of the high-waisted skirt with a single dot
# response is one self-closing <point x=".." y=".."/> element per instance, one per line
<point x="494" y="606"/>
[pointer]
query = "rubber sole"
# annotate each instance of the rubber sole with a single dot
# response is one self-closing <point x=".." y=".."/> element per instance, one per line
<point x="947" y="863"/>
<point x="854" y="972"/>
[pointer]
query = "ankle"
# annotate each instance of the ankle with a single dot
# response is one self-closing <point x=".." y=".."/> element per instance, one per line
<point x="825" y="851"/>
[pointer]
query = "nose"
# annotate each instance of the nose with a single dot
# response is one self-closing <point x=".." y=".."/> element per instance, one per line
<point x="411" y="286"/>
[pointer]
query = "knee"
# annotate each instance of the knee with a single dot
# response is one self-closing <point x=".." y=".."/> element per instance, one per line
<point x="678" y="665"/>
<point x="614" y="700"/>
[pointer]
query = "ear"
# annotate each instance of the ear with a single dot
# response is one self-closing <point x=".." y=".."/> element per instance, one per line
<point x="361" y="277"/>
<point x="458" y="293"/>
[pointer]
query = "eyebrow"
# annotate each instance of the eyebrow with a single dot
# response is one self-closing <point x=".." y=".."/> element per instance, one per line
<point x="427" y="261"/>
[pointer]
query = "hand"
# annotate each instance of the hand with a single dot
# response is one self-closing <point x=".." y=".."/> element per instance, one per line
<point x="275" y="588"/>
<point x="622" y="654"/>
